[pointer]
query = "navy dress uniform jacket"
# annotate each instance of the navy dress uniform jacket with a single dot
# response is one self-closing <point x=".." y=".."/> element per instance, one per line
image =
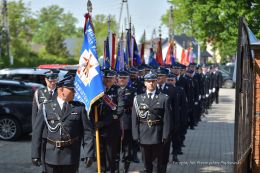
<point x="74" y="125"/>
<point x="159" y="109"/>
<point x="40" y="96"/>
<point x="124" y="106"/>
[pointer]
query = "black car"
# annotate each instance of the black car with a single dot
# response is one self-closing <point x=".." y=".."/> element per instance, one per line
<point x="16" y="108"/>
<point x="27" y="74"/>
<point x="227" y="81"/>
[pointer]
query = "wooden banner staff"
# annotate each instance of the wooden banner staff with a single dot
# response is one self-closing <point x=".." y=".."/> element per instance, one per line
<point x="89" y="8"/>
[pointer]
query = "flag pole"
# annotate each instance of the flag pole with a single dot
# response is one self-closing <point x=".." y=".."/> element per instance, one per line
<point x="89" y="8"/>
<point x="97" y="143"/>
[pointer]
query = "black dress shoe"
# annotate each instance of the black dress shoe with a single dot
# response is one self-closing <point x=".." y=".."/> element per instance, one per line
<point x="180" y="152"/>
<point x="192" y="128"/>
<point x="136" y="160"/>
<point x="123" y="159"/>
<point x="175" y="159"/>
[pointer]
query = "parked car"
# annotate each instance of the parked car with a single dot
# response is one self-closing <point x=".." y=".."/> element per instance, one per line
<point x="27" y="74"/>
<point x="227" y="80"/>
<point x="71" y="69"/>
<point x="16" y="108"/>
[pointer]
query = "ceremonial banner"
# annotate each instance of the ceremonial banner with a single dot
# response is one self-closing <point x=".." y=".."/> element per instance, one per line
<point x="88" y="80"/>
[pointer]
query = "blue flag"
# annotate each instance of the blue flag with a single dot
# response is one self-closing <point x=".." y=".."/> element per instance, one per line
<point x="152" y="60"/>
<point x="136" y="57"/>
<point x="120" y="60"/>
<point x="106" y="54"/>
<point x="88" y="81"/>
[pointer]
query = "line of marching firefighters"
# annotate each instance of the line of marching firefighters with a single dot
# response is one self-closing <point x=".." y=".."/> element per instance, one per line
<point x="144" y="109"/>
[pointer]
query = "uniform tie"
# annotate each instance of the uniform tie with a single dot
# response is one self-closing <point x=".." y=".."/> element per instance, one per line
<point x="51" y="92"/>
<point x="160" y="88"/>
<point x="64" y="108"/>
<point x="149" y="97"/>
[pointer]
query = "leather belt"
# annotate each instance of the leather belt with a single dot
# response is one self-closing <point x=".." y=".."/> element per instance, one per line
<point x="150" y="123"/>
<point x="60" y="144"/>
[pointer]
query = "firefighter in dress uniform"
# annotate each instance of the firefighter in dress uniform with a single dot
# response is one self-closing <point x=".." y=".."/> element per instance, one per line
<point x="125" y="103"/>
<point x="68" y="129"/>
<point x="41" y="95"/>
<point x="108" y="124"/>
<point x="151" y="123"/>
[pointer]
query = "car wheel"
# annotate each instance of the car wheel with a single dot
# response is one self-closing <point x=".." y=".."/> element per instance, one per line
<point x="228" y="84"/>
<point x="10" y="128"/>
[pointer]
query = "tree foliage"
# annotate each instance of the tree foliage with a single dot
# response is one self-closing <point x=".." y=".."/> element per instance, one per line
<point x="100" y="23"/>
<point x="47" y="28"/>
<point x="21" y="26"/>
<point x="214" y="21"/>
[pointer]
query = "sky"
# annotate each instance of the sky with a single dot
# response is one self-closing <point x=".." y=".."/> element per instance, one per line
<point x="145" y="14"/>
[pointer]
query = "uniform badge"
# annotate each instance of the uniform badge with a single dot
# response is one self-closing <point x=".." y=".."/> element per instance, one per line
<point x="115" y="117"/>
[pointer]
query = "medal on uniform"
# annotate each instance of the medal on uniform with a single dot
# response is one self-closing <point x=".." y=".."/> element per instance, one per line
<point x="115" y="117"/>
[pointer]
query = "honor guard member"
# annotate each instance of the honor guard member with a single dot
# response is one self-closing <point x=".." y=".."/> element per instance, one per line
<point x="138" y="85"/>
<point x="67" y="129"/>
<point x="212" y="85"/>
<point x="124" y="110"/>
<point x="47" y="93"/>
<point x="178" y="110"/>
<point x="108" y="124"/>
<point x="194" y="89"/>
<point x="135" y="82"/>
<point x="218" y="82"/>
<point x="206" y="82"/>
<point x="41" y="95"/>
<point x="151" y="123"/>
<point x="167" y="89"/>
<point x="196" y="92"/>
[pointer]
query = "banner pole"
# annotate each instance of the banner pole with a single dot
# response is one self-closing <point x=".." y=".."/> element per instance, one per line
<point x="97" y="143"/>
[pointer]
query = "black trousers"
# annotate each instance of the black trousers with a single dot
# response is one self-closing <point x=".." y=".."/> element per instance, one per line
<point x="127" y="148"/>
<point x="108" y="152"/>
<point x="216" y="94"/>
<point x="61" y="168"/>
<point x="152" y="154"/>
<point x="43" y="150"/>
<point x="165" y="156"/>
<point x="177" y="141"/>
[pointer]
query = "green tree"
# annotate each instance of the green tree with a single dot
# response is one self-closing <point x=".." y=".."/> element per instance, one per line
<point x="214" y="21"/>
<point x="100" y="23"/>
<point x="55" y="43"/>
<point x="54" y="25"/>
<point x="21" y="26"/>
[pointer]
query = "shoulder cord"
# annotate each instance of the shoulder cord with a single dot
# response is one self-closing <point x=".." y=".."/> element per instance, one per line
<point x="51" y="129"/>
<point x="37" y="92"/>
<point x="138" y="112"/>
<point x="36" y="98"/>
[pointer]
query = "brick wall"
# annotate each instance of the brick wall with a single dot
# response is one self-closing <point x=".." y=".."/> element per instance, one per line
<point x="256" y="125"/>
